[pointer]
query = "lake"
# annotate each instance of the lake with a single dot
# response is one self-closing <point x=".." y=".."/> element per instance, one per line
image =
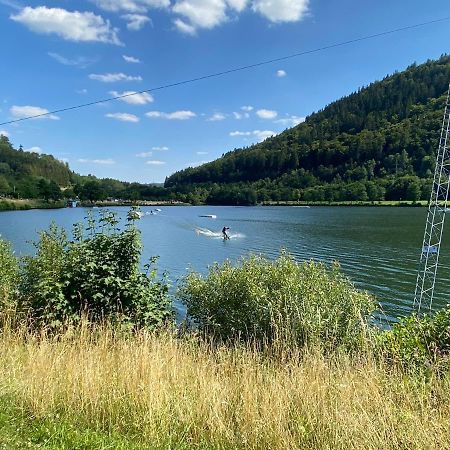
<point x="378" y="248"/>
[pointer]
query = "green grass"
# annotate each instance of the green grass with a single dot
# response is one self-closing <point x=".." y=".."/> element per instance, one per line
<point x="19" y="429"/>
<point x="19" y="205"/>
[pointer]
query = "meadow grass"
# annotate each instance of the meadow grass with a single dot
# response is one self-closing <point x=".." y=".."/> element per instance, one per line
<point x="96" y="388"/>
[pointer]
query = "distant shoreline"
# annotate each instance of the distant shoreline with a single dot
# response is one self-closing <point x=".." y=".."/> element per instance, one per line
<point x="23" y="205"/>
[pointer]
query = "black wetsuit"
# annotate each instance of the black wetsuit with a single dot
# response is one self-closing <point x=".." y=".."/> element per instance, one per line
<point x="224" y="232"/>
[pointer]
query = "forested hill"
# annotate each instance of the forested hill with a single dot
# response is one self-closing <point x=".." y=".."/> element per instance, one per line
<point x="21" y="171"/>
<point x="377" y="143"/>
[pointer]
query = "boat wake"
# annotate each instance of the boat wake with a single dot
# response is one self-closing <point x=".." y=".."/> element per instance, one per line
<point x="216" y="234"/>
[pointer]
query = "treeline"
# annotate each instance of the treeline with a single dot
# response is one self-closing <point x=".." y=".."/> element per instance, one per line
<point x="377" y="143"/>
<point x="28" y="175"/>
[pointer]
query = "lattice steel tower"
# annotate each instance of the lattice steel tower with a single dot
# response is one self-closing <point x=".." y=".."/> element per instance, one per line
<point x="429" y="258"/>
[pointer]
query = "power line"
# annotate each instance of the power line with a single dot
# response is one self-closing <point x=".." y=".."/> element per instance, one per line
<point x="232" y="70"/>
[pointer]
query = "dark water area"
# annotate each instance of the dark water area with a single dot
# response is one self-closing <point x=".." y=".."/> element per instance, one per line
<point x="378" y="248"/>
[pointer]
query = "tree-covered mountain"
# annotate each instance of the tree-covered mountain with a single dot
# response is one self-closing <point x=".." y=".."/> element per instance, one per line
<point x="377" y="143"/>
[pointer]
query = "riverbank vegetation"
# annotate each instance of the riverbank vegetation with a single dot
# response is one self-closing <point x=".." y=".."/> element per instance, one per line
<point x="273" y="354"/>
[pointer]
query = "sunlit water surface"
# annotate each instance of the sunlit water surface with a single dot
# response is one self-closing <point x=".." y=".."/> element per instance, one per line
<point x="378" y="248"/>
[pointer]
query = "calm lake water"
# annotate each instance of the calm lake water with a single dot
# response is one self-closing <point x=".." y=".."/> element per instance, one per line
<point x="378" y="248"/>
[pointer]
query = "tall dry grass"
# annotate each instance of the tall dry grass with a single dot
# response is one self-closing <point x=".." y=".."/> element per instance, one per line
<point x="184" y="393"/>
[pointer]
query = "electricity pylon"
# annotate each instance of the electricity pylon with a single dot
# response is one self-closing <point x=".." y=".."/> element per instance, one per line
<point x="429" y="258"/>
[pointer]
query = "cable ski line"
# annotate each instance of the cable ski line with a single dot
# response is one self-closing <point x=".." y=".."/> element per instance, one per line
<point x="232" y="70"/>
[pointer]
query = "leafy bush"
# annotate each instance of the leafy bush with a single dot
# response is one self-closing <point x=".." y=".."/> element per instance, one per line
<point x="419" y="341"/>
<point x="267" y="300"/>
<point x="97" y="273"/>
<point x="9" y="269"/>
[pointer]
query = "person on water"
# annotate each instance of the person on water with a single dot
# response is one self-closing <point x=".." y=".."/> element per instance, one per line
<point x="224" y="232"/>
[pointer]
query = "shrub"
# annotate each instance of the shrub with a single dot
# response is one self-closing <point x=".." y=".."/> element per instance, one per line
<point x="265" y="300"/>
<point x="9" y="269"/>
<point x="419" y="341"/>
<point x="97" y="273"/>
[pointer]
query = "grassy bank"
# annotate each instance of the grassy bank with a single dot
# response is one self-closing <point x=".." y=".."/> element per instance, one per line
<point x="95" y="389"/>
<point x="350" y="203"/>
<point x="20" y="204"/>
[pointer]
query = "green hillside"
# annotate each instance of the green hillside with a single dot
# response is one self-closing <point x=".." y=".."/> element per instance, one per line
<point x="375" y="144"/>
<point x="27" y="175"/>
<point x="30" y="175"/>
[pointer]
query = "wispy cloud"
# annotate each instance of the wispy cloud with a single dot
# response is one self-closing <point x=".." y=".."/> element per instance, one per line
<point x="216" y="117"/>
<point x="21" y="112"/>
<point x="11" y="4"/>
<point x="131" y="59"/>
<point x="123" y="117"/>
<point x="281" y="73"/>
<point x="138" y="6"/>
<point x="176" y="115"/>
<point x="144" y="154"/>
<point x="71" y="26"/>
<point x="266" y="114"/>
<point x="153" y="162"/>
<point x="290" y="121"/>
<point x="247" y="108"/>
<point x="113" y="77"/>
<point x="160" y="149"/>
<point x="133" y="98"/>
<point x="136" y="22"/>
<point x="202" y="153"/>
<point x="4" y="133"/>
<point x="260" y="135"/>
<point x="79" y="61"/>
<point x="105" y="162"/>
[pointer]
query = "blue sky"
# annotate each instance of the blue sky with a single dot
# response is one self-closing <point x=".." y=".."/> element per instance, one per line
<point x="59" y="53"/>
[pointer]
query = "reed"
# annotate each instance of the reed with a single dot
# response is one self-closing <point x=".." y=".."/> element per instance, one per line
<point x="163" y="391"/>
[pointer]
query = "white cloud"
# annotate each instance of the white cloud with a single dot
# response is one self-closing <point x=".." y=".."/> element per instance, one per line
<point x="106" y="162"/>
<point x="263" y="134"/>
<point x="239" y="115"/>
<point x="184" y="27"/>
<point x="136" y="22"/>
<point x="291" y="121"/>
<point x="160" y="149"/>
<point x="201" y="13"/>
<point x="82" y="91"/>
<point x="79" y="61"/>
<point x="4" y="133"/>
<point x="155" y="162"/>
<point x="22" y="112"/>
<point x="113" y="77"/>
<point x="260" y="135"/>
<point x="131" y="59"/>
<point x="36" y="149"/>
<point x="133" y="98"/>
<point x="238" y="5"/>
<point x="176" y="115"/>
<point x="281" y="73"/>
<point x="202" y="153"/>
<point x="247" y="108"/>
<point x="71" y="26"/>
<point x="144" y="154"/>
<point x="281" y="10"/>
<point x="216" y="117"/>
<point x="240" y="133"/>
<point x="131" y="5"/>
<point x="266" y="114"/>
<point x="123" y="117"/>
